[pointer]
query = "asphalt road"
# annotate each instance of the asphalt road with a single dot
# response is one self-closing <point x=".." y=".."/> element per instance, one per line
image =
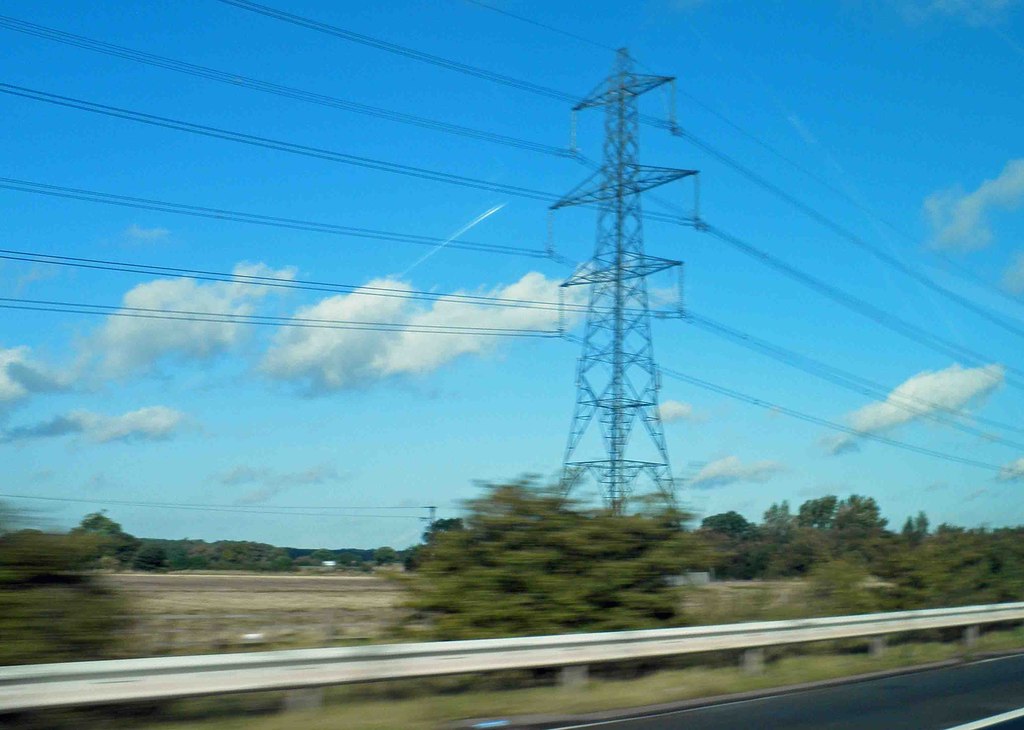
<point x="931" y="700"/>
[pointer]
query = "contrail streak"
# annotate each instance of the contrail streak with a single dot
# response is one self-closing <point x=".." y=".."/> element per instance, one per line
<point x="479" y="219"/>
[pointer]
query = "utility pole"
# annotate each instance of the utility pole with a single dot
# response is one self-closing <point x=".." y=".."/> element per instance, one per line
<point x="617" y="380"/>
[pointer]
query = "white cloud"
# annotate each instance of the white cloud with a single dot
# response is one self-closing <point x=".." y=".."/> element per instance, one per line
<point x="154" y="423"/>
<point x="21" y="377"/>
<point x="1012" y="472"/>
<point x="920" y="397"/>
<point x="972" y="12"/>
<point x="673" y="410"/>
<point x="270" y="483"/>
<point x="126" y="345"/>
<point x="730" y="470"/>
<point x="1013" y="277"/>
<point x="960" y="220"/>
<point x="145" y="234"/>
<point x="328" y="359"/>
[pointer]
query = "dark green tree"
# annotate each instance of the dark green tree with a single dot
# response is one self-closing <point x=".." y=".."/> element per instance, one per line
<point x="150" y="557"/>
<point x="529" y="562"/>
<point x="107" y="538"/>
<point x="731" y="524"/>
<point x="818" y="513"/>
<point x="51" y="608"/>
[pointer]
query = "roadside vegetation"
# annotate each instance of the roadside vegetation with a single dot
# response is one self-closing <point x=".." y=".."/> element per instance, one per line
<point x="521" y="561"/>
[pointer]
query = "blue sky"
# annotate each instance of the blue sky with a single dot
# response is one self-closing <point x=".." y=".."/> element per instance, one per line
<point x="910" y="107"/>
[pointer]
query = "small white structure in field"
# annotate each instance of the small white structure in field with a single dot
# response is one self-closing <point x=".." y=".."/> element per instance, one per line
<point x="330" y="563"/>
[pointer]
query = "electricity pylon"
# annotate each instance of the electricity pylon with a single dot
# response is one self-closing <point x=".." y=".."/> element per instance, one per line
<point x="617" y="380"/>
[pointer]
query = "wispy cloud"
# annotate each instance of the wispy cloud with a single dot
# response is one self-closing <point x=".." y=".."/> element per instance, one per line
<point x="1013" y="277"/>
<point x="270" y="482"/>
<point x="959" y="219"/>
<point x="155" y="423"/>
<point x="138" y="233"/>
<point x="920" y="397"/>
<point x="1012" y="472"/>
<point x="730" y="470"/>
<point x="673" y="410"/>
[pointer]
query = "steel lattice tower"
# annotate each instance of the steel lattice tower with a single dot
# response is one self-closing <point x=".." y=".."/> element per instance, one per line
<point x="617" y="380"/>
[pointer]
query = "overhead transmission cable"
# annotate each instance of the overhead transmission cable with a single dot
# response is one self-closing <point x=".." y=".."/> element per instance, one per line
<point x="888" y="320"/>
<point x="299" y="149"/>
<point x="266" y="142"/>
<point x="892" y="322"/>
<point x="233" y="79"/>
<point x="793" y="413"/>
<point x="94" y="196"/>
<point x="848" y="430"/>
<point x="908" y="402"/>
<point x="410" y="53"/>
<point x="42" y="305"/>
<point x="777" y="153"/>
<point x="239" y="509"/>
<point x="669" y="125"/>
<point x="282" y="282"/>
<point x="817" y="368"/>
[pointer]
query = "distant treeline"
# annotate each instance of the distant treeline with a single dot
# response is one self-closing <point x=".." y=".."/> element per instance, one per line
<point x="112" y="548"/>
<point x="848" y="545"/>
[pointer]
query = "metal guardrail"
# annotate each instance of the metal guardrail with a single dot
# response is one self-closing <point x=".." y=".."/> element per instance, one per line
<point x="130" y="680"/>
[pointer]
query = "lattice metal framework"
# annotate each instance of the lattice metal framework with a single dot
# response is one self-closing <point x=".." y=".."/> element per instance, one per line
<point x="617" y="379"/>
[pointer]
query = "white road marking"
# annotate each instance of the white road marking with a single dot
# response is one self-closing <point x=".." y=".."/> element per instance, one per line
<point x="991" y="721"/>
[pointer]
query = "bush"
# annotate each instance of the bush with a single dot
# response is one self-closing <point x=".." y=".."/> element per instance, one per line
<point x="526" y="562"/>
<point x="50" y="610"/>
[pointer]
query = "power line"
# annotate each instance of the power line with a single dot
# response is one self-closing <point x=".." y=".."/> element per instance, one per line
<point x="832" y="374"/>
<point x="37" y="305"/>
<point x="799" y="415"/>
<point x="404" y="51"/>
<point x="283" y="282"/>
<point x="890" y="321"/>
<point x="849" y="236"/>
<point x="858" y="384"/>
<point x="280" y="145"/>
<point x="671" y="126"/>
<point x="286" y="511"/>
<point x="94" y="196"/>
<point x="761" y="142"/>
<point x="853" y="303"/>
<point x="298" y="149"/>
<point x="233" y="79"/>
<point x="537" y="23"/>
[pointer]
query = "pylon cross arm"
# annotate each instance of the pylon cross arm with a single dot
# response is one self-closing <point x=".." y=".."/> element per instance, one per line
<point x="632" y="85"/>
<point x="638" y="179"/>
<point x="641" y="265"/>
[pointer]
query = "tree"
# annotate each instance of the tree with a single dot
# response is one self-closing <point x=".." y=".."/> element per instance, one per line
<point x="818" y="513"/>
<point x="150" y="557"/>
<point x="915" y="529"/>
<point x="731" y="524"/>
<point x="385" y="555"/>
<point x="778" y="521"/>
<point x="437" y="527"/>
<point x="529" y="562"/>
<point x="51" y="609"/>
<point x="107" y="538"/>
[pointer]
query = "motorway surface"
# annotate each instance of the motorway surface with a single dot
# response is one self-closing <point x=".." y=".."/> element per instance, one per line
<point x="938" y="699"/>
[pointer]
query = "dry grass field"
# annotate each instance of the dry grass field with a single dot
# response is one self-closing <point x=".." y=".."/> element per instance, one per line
<point x="202" y="612"/>
<point x="198" y="612"/>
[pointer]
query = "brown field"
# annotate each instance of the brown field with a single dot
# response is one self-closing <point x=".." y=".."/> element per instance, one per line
<point x="197" y="612"/>
<point x="203" y="612"/>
